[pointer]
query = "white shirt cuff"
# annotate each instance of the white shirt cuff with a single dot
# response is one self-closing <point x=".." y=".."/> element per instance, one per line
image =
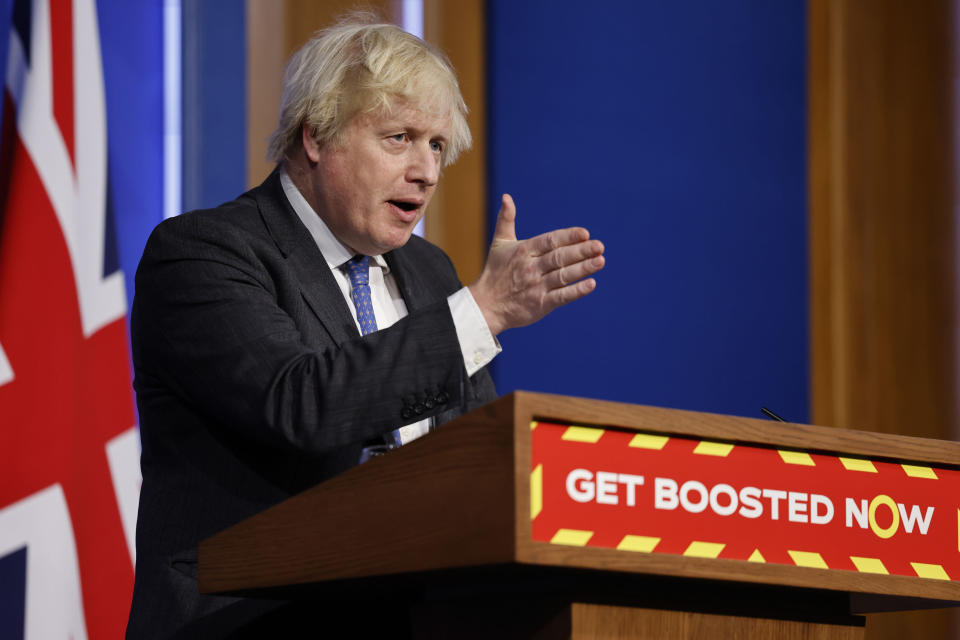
<point x="413" y="431"/>
<point x="477" y="344"/>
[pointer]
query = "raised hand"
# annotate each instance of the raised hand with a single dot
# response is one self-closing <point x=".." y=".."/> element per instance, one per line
<point x="524" y="280"/>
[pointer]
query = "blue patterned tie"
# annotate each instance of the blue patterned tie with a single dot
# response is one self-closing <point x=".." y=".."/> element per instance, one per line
<point x="358" y="269"/>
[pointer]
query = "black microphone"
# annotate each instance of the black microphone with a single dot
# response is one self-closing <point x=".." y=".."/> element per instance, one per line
<point x="771" y="414"/>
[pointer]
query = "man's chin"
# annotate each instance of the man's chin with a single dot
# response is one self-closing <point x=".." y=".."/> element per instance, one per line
<point x="394" y="240"/>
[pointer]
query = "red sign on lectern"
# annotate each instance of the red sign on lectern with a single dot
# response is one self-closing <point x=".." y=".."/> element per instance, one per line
<point x="653" y="493"/>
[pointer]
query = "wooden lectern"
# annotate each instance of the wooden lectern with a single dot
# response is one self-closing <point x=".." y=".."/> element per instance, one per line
<point x="543" y="516"/>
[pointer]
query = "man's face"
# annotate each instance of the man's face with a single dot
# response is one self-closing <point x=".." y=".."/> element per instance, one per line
<point x="373" y="187"/>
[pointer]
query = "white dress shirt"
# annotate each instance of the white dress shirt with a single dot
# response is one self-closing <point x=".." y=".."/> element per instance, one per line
<point x="477" y="345"/>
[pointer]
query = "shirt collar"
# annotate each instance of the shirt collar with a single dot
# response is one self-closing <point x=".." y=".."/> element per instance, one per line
<point x="334" y="252"/>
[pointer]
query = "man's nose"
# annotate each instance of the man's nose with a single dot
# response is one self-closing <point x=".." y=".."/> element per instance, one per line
<point x="424" y="167"/>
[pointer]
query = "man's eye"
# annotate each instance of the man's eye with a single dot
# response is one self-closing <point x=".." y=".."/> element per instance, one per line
<point x="398" y="137"/>
<point x="437" y="146"/>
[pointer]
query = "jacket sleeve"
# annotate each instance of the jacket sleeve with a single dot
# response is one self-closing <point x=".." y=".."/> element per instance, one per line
<point x="220" y="322"/>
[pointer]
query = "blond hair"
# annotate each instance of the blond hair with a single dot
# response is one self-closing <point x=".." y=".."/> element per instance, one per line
<point x="361" y="65"/>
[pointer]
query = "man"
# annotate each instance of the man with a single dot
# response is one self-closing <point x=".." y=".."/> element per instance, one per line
<point x="282" y="337"/>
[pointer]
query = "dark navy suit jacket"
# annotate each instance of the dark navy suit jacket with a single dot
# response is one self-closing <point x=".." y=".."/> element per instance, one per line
<point x="254" y="384"/>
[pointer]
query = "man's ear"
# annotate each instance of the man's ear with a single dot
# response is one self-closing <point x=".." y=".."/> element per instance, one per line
<point x="310" y="144"/>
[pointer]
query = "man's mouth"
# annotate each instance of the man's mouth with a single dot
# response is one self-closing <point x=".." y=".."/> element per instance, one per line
<point x="406" y="206"/>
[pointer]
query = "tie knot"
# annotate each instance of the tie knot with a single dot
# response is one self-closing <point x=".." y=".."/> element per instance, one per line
<point x="358" y="268"/>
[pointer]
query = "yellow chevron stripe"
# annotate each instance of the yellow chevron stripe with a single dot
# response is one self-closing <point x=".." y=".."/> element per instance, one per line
<point x="572" y="537"/>
<point x="919" y="472"/>
<point x="756" y="556"/>
<point x="933" y="571"/>
<point x="808" y="559"/>
<point x="797" y="457"/>
<point x="869" y="565"/>
<point x="645" y="544"/>
<point x="704" y="549"/>
<point x="533" y="424"/>
<point x="708" y="448"/>
<point x="536" y="491"/>
<point x="858" y="464"/>
<point x="648" y="441"/>
<point x="582" y="434"/>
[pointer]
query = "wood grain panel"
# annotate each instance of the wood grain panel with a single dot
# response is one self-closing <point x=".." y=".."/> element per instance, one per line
<point x="304" y="17"/>
<point x="266" y="55"/>
<point x="882" y="227"/>
<point x="437" y="503"/>
<point x="604" y="622"/>
<point x="457" y="218"/>
<point x="526" y="619"/>
<point x="883" y="287"/>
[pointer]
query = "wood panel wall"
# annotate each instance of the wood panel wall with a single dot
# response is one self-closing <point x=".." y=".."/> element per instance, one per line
<point x="456" y="219"/>
<point x="883" y="281"/>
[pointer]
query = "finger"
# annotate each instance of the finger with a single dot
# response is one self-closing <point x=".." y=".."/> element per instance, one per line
<point x="506" y="230"/>
<point x="547" y="242"/>
<point x="566" y="295"/>
<point x="570" y="254"/>
<point x="563" y="277"/>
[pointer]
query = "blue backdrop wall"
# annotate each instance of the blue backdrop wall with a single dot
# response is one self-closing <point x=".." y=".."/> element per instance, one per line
<point x="214" y="102"/>
<point x="675" y="132"/>
<point x="131" y="42"/>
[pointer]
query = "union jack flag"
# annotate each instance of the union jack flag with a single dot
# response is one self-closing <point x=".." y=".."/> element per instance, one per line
<point x="69" y="475"/>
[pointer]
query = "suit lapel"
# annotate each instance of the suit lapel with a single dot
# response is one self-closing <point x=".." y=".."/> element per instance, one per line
<point x="317" y="284"/>
<point x="409" y="279"/>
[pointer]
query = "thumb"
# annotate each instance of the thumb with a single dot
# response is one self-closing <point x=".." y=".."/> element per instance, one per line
<point x="505" y="230"/>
